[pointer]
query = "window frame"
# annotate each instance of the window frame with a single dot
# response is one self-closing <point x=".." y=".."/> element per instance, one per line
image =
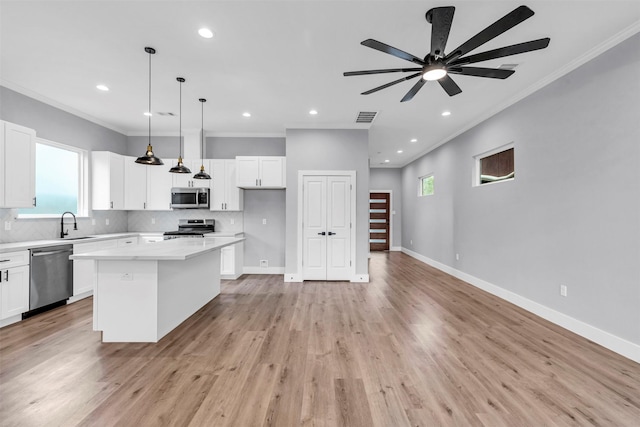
<point x="420" y="184"/>
<point x="475" y="177"/>
<point x="83" y="180"/>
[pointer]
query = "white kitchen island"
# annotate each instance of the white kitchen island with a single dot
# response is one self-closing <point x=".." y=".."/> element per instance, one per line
<point x="143" y="292"/>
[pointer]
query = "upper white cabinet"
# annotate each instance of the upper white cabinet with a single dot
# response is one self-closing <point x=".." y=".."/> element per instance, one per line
<point x="107" y="180"/>
<point x="17" y="166"/>
<point x="225" y="195"/>
<point x="135" y="184"/>
<point x="159" y="183"/>
<point x="260" y="172"/>
<point x="186" y="179"/>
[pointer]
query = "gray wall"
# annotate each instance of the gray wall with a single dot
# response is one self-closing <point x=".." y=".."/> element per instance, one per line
<point x="320" y="149"/>
<point x="230" y="147"/>
<point x="572" y="214"/>
<point x="165" y="147"/>
<point x="390" y="179"/>
<point x="265" y="241"/>
<point x="57" y="125"/>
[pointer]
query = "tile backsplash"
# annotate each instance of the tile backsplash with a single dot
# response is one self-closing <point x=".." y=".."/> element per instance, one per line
<point x="118" y="222"/>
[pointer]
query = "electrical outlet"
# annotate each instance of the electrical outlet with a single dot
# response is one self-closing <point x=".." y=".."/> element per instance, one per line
<point x="106" y="221"/>
<point x="264" y="221"/>
<point x="264" y="263"/>
<point x="93" y="221"/>
<point x="126" y="277"/>
<point x="232" y="221"/>
<point x="457" y="257"/>
<point x="411" y="242"/>
<point x="7" y="225"/>
<point x="153" y="220"/>
<point x="563" y="290"/>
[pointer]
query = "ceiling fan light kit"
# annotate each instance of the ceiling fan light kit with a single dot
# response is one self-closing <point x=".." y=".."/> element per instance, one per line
<point x="437" y="66"/>
<point x="149" y="158"/>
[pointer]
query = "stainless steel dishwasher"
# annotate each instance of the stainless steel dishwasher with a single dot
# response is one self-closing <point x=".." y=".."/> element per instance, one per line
<point x="51" y="275"/>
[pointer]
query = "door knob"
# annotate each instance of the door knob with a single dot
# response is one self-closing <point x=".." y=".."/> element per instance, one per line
<point x="322" y="234"/>
<point x="331" y="233"/>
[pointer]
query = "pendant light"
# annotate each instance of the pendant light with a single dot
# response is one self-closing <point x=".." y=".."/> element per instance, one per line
<point x="202" y="174"/>
<point x="149" y="158"/>
<point x="180" y="167"/>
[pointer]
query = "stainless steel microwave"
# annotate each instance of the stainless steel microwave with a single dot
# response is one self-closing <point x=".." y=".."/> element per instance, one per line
<point x="189" y="198"/>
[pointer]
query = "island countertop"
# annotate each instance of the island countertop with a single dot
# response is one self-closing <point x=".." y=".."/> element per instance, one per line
<point x="166" y="250"/>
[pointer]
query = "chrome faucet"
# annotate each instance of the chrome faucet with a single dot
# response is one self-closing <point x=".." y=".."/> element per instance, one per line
<point x="75" y="224"/>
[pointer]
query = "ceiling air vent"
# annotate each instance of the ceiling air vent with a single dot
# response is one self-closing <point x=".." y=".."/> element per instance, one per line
<point x="366" y="116"/>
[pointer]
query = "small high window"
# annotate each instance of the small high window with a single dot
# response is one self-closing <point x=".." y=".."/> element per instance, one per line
<point x="425" y="187"/>
<point x="495" y="166"/>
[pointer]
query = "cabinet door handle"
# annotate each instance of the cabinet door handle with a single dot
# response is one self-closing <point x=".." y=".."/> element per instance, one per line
<point x="331" y="233"/>
<point x="256" y="182"/>
<point x="111" y="205"/>
<point x="34" y="201"/>
<point x="5" y="260"/>
<point x="144" y="205"/>
<point x="322" y="234"/>
<point x="6" y="275"/>
<point x="225" y="206"/>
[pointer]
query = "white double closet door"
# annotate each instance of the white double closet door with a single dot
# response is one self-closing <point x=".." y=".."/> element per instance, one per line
<point x="326" y="228"/>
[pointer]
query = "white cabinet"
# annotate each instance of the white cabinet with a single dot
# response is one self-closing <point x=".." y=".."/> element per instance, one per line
<point x="135" y="184"/>
<point x="187" y="180"/>
<point x="231" y="261"/>
<point x="84" y="270"/>
<point x="107" y="180"/>
<point x="159" y="183"/>
<point x="225" y="195"/>
<point x="17" y="166"/>
<point x="14" y="284"/>
<point x="260" y="172"/>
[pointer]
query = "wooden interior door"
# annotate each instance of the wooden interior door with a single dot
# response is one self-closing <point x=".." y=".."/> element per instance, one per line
<point x="379" y="221"/>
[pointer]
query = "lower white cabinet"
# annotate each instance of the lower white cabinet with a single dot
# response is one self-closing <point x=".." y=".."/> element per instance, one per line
<point x="231" y="260"/>
<point x="84" y="270"/>
<point x="14" y="284"/>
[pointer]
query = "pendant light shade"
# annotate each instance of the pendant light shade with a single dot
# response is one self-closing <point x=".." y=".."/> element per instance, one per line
<point x="202" y="174"/>
<point x="180" y="167"/>
<point x="149" y="158"/>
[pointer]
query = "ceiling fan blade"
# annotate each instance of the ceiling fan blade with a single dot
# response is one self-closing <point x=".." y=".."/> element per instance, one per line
<point x="440" y="19"/>
<point x="409" y="96"/>
<point x="389" y="70"/>
<point x="494" y="73"/>
<point x="449" y="86"/>
<point x="503" y="24"/>
<point x="514" y="49"/>
<point x="382" y="47"/>
<point x="375" y="89"/>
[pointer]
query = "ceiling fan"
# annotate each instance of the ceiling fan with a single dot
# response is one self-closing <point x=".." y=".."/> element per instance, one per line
<point x="437" y="66"/>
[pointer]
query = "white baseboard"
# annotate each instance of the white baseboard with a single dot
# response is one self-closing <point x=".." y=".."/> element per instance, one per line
<point x="293" y="278"/>
<point x="10" y="320"/>
<point x="79" y="297"/>
<point x="360" y="278"/>
<point x="605" y="339"/>
<point x="395" y="249"/>
<point x="261" y="270"/>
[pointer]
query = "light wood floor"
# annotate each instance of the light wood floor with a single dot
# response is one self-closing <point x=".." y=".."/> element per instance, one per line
<point x="415" y="347"/>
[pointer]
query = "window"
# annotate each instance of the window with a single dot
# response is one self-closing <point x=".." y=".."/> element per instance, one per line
<point x="425" y="187"/>
<point x="495" y="166"/>
<point x="60" y="180"/>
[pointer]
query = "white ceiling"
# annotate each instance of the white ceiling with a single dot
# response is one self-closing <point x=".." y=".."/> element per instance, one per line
<point x="280" y="59"/>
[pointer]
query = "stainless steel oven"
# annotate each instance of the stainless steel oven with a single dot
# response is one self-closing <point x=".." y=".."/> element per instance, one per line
<point x="191" y="228"/>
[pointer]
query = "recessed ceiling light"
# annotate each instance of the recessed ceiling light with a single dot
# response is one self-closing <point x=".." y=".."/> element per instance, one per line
<point x="146" y="113"/>
<point x="386" y="160"/>
<point x="102" y="88"/>
<point x="247" y="114"/>
<point x="206" y="33"/>
<point x="399" y="151"/>
<point x="446" y="113"/>
<point x="414" y="140"/>
<point x="313" y="112"/>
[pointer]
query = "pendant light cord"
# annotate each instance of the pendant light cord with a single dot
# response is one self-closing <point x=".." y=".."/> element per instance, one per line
<point x="180" y="117"/>
<point x="149" y="98"/>
<point x="202" y="136"/>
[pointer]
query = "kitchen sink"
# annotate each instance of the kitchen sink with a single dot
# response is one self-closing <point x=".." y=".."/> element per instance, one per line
<point x="77" y="238"/>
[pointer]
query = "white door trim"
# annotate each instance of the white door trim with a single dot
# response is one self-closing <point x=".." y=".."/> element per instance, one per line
<point x="301" y="175"/>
